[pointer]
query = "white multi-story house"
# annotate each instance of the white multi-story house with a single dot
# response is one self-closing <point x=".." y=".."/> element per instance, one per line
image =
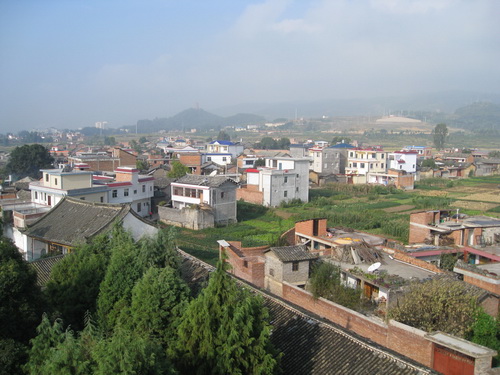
<point x="225" y="147"/>
<point x="403" y="161"/>
<point x="331" y="160"/>
<point x="363" y="161"/>
<point x="217" y="158"/>
<point x="216" y="192"/>
<point x="127" y="186"/>
<point x="55" y="184"/>
<point x="281" y="180"/>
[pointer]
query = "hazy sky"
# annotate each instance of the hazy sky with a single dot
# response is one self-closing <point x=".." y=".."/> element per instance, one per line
<point x="70" y="63"/>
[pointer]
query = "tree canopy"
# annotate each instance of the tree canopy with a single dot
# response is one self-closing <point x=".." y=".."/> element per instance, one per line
<point x="223" y="136"/>
<point x="27" y="160"/>
<point x="440" y="135"/>
<point x="441" y="304"/>
<point x="269" y="143"/>
<point x="178" y="170"/>
<point x="225" y="330"/>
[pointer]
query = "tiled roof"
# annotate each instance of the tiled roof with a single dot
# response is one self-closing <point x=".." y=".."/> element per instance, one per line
<point x="43" y="268"/>
<point x="292" y="253"/>
<point x="312" y="346"/>
<point x="72" y="221"/>
<point x="212" y="181"/>
<point x="342" y="145"/>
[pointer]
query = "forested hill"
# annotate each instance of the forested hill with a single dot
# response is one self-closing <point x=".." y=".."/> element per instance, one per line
<point x="478" y="116"/>
<point x="196" y="119"/>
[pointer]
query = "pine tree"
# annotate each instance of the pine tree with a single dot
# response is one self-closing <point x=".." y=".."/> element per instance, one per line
<point x="224" y="330"/>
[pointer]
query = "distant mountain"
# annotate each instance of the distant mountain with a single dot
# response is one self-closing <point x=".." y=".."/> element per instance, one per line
<point x="478" y="116"/>
<point x="196" y="119"/>
<point x="444" y="102"/>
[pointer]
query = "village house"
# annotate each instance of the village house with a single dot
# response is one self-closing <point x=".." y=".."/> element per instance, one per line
<point x="74" y="221"/>
<point x="55" y="184"/>
<point x="225" y="147"/>
<point x="362" y="161"/>
<point x="281" y="180"/>
<point x="447" y="227"/>
<point x="424" y="152"/>
<point x="126" y="185"/>
<point x="201" y="202"/>
<point x="289" y="264"/>
<point x="104" y="161"/>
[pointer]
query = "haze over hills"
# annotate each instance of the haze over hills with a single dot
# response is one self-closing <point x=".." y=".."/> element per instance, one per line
<point x="470" y="111"/>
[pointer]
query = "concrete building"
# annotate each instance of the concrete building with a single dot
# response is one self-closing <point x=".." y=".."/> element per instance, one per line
<point x="58" y="183"/>
<point x="361" y="162"/>
<point x="403" y="161"/>
<point x="281" y="180"/>
<point x="225" y="147"/>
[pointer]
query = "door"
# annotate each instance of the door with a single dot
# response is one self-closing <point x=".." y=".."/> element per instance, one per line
<point x="450" y="362"/>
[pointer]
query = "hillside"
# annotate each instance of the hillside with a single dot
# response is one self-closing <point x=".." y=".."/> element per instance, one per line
<point x="196" y="119"/>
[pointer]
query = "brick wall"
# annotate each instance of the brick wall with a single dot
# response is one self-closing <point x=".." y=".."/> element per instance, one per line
<point x="250" y="269"/>
<point x="483" y="284"/>
<point x="400" y="255"/>
<point x="403" y="339"/>
<point x="306" y="227"/>
<point x="248" y="195"/>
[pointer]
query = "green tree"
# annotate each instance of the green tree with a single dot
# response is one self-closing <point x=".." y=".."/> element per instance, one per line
<point x="440" y="135"/>
<point x="486" y="331"/>
<point x="267" y="143"/>
<point x="429" y="163"/>
<point x="76" y="279"/>
<point x="130" y="353"/>
<point x="325" y="282"/>
<point x="143" y="140"/>
<point x="441" y="304"/>
<point x="158" y="300"/>
<point x="21" y="302"/>
<point x="225" y="330"/>
<point x="283" y="143"/>
<point x="259" y="162"/>
<point x="340" y="139"/>
<point x="178" y="170"/>
<point x="142" y="165"/>
<point x="109" y="141"/>
<point x="223" y="136"/>
<point x="27" y="160"/>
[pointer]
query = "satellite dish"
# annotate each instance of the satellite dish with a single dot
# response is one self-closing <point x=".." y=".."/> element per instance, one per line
<point x="374" y="267"/>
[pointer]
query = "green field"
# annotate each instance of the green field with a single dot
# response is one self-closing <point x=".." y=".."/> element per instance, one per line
<point x="374" y="209"/>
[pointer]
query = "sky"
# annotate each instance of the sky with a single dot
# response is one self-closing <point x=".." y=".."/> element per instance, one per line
<point x="71" y="63"/>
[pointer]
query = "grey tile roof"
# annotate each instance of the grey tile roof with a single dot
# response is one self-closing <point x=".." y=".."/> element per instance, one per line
<point x="212" y="181"/>
<point x="292" y="253"/>
<point x="73" y="221"/>
<point x="43" y="268"/>
<point x="313" y="346"/>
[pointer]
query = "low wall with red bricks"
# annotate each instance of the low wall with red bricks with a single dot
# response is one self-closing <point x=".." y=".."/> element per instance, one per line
<point x="401" y="338"/>
<point x="400" y="255"/>
<point x="250" y="196"/>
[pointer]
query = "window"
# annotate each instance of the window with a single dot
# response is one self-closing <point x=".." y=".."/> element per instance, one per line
<point x="285" y="193"/>
<point x="82" y="198"/>
<point x="374" y="156"/>
<point x="125" y="193"/>
<point x="47" y="177"/>
<point x="143" y="188"/>
<point x="115" y="193"/>
<point x="224" y="158"/>
<point x="36" y="194"/>
<point x="209" y="158"/>
<point x="355" y="165"/>
<point x="55" y="181"/>
<point x="382" y="155"/>
<point x="135" y="191"/>
<point x="222" y="195"/>
<point x="295" y="266"/>
<point x="382" y="165"/>
<point x="271" y="271"/>
<point x="351" y="154"/>
<point x="102" y="199"/>
<point x="245" y="263"/>
<point x="286" y="180"/>
<point x="138" y="207"/>
<point x="297" y="189"/>
<point x="362" y="165"/>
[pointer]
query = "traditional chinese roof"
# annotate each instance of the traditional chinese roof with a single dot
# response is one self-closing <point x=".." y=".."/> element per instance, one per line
<point x="43" y="268"/>
<point x="292" y="253"/>
<point x="211" y="181"/>
<point x="73" y="221"/>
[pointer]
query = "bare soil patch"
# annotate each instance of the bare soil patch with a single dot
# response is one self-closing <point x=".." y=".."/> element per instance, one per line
<point x="479" y="206"/>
